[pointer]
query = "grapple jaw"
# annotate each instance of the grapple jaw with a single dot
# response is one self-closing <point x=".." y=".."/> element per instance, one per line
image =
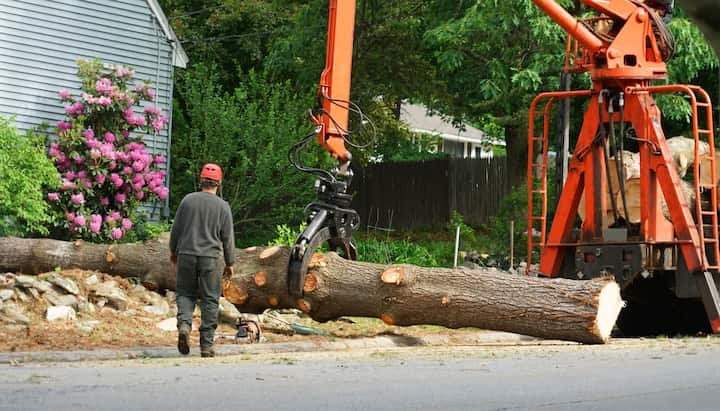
<point x="331" y="221"/>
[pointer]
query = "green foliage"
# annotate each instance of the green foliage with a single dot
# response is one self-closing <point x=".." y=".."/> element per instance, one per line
<point x="693" y="57"/>
<point x="25" y="172"/>
<point x="395" y="252"/>
<point x="145" y="230"/>
<point x="248" y="133"/>
<point x="285" y="235"/>
<point x="467" y="233"/>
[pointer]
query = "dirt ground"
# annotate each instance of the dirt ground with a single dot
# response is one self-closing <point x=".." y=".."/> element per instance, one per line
<point x="134" y="327"/>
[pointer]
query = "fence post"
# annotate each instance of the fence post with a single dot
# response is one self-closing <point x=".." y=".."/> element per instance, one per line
<point x="457" y="246"/>
<point x="512" y="243"/>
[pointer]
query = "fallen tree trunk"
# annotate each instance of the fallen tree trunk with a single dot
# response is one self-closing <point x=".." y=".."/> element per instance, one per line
<point x="583" y="311"/>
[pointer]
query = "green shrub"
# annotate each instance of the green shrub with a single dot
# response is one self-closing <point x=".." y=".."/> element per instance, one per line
<point x="286" y="236"/>
<point x="25" y="172"/>
<point x="395" y="252"/>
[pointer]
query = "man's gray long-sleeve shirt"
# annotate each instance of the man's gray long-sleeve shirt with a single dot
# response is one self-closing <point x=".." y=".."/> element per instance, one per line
<point x="203" y="227"/>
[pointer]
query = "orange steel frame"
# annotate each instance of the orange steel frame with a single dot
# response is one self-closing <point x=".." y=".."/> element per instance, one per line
<point x="627" y="64"/>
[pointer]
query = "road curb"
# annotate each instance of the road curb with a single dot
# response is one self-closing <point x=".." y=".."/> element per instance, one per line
<point x="385" y="341"/>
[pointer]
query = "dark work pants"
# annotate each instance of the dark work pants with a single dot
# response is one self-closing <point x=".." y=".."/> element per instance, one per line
<point x="199" y="277"/>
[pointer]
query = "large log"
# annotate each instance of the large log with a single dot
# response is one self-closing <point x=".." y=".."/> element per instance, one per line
<point x="583" y="311"/>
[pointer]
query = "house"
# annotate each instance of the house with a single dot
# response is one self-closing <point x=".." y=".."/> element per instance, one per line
<point x="40" y="42"/>
<point x="459" y="141"/>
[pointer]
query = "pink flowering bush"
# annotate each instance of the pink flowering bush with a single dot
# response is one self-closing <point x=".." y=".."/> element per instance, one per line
<point x="105" y="167"/>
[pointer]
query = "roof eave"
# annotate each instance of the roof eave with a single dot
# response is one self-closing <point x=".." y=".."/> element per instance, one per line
<point x="180" y="58"/>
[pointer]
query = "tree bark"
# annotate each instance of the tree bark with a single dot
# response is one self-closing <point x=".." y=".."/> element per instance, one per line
<point x="583" y="311"/>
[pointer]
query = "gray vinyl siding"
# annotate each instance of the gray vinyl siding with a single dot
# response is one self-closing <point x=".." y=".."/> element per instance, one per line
<point x="41" y="40"/>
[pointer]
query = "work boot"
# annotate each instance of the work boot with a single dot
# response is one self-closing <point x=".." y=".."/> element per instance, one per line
<point x="184" y="339"/>
<point x="207" y="352"/>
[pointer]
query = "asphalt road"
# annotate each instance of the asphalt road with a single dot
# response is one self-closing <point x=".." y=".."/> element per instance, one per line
<point x="625" y="375"/>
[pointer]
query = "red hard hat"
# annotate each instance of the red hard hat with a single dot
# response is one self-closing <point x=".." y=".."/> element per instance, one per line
<point x="211" y="172"/>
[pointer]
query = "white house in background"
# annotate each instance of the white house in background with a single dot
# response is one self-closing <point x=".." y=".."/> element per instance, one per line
<point x="461" y="142"/>
<point x="41" y="40"/>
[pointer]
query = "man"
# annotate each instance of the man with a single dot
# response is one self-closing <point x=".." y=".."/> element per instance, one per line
<point x="201" y="233"/>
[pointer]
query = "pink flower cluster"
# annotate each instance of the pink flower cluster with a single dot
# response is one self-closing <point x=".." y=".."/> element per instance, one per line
<point x="145" y="91"/>
<point x="106" y="173"/>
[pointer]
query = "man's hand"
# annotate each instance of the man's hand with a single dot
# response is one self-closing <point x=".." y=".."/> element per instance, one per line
<point x="173" y="258"/>
<point x="228" y="272"/>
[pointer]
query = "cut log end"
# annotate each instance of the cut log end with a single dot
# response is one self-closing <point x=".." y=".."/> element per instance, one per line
<point x="260" y="278"/>
<point x="609" y="305"/>
<point x="269" y="254"/>
<point x="311" y="283"/>
<point x="317" y="260"/>
<point x="109" y="257"/>
<point x="304" y="305"/>
<point x="393" y="275"/>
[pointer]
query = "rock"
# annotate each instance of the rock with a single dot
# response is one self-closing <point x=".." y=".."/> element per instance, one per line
<point x="101" y="302"/>
<point x="92" y="280"/>
<point x="156" y="310"/>
<point x="170" y="296"/>
<point x="43" y="286"/>
<point x="88" y="325"/>
<point x="22" y="295"/>
<point x="168" y="325"/>
<point x="34" y="293"/>
<point x="7" y="280"/>
<point x="25" y="281"/>
<point x="59" y="300"/>
<point x="60" y="313"/>
<point x="10" y="313"/>
<point x="65" y="283"/>
<point x="129" y="313"/>
<point x="87" y="307"/>
<point x="151" y="298"/>
<point x="138" y="291"/>
<point x="116" y="297"/>
<point x="227" y="312"/>
<point x="6" y="294"/>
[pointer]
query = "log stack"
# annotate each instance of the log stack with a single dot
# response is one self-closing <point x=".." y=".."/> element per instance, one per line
<point x="682" y="150"/>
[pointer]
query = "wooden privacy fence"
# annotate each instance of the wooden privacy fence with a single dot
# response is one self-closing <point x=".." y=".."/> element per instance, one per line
<point x="419" y="194"/>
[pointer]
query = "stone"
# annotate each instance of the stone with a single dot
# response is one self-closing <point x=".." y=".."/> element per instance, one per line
<point x="6" y="294"/>
<point x="12" y="314"/>
<point x="60" y="313"/>
<point x="22" y="295"/>
<point x="43" y="286"/>
<point x="65" y="283"/>
<point x="156" y="309"/>
<point x="88" y="325"/>
<point x="170" y="296"/>
<point x="151" y="297"/>
<point x="138" y="291"/>
<point x="116" y="297"/>
<point x="60" y="300"/>
<point x="34" y="293"/>
<point x="87" y="307"/>
<point x="25" y="281"/>
<point x="227" y="312"/>
<point x="7" y="280"/>
<point x="92" y="280"/>
<point x="169" y="324"/>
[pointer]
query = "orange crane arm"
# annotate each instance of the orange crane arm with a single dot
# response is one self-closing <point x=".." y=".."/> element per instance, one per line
<point x="334" y="92"/>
